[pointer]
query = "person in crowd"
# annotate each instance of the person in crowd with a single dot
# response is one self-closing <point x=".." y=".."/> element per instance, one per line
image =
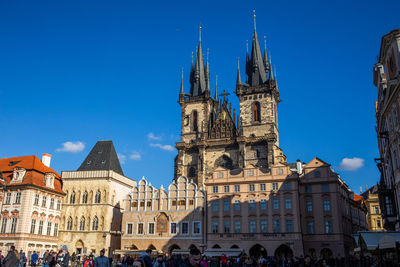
<point x="203" y="262"/>
<point x="65" y="261"/>
<point x="102" y="261"/>
<point x="146" y="258"/>
<point x="159" y="262"/>
<point x="34" y="259"/>
<point x="11" y="259"/>
<point x="73" y="259"/>
<point x="1" y="258"/>
<point x="139" y="262"/>
<point x="52" y="259"/>
<point x="86" y="262"/>
<point x="194" y="258"/>
<point x="45" y="257"/>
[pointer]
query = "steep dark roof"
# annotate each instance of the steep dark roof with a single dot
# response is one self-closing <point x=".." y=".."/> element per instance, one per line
<point x="102" y="157"/>
<point x="372" y="190"/>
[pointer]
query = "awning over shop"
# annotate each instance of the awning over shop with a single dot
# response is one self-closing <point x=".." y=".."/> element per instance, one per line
<point x="381" y="240"/>
<point x="132" y="252"/>
<point x="216" y="252"/>
<point x="180" y="252"/>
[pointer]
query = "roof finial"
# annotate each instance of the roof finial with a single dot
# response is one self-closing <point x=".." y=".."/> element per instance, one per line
<point x="238" y="63"/>
<point x="265" y="43"/>
<point x="192" y="58"/>
<point x="247" y="46"/>
<point x="254" y="17"/>
<point x="208" y="52"/>
<point x="200" y="32"/>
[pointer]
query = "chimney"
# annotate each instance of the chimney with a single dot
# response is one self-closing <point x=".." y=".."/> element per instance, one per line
<point x="299" y="167"/>
<point x="46" y="158"/>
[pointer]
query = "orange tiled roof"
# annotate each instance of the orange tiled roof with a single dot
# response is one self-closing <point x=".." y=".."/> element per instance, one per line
<point x="34" y="175"/>
<point x="357" y="198"/>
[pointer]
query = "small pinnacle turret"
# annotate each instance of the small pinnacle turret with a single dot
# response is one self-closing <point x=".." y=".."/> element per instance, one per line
<point x="238" y="79"/>
<point x="266" y="64"/>
<point x="216" y="88"/>
<point x="182" y="92"/>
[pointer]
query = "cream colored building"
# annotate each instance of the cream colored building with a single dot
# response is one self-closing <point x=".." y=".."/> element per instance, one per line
<point x="92" y="210"/>
<point x="374" y="215"/>
<point x="163" y="220"/>
<point x="31" y="206"/>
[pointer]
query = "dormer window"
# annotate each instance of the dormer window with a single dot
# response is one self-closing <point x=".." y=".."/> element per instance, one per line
<point x="18" y="175"/>
<point x="49" y="179"/>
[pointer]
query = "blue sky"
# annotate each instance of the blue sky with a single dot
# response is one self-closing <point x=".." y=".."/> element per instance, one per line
<point x="83" y="71"/>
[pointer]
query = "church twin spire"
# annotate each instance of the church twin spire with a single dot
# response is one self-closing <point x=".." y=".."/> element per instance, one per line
<point x="257" y="67"/>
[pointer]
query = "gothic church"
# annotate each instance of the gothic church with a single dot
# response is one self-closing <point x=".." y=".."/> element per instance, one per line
<point x="213" y="135"/>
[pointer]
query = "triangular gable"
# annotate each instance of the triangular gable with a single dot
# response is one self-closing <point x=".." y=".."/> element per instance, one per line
<point x="316" y="162"/>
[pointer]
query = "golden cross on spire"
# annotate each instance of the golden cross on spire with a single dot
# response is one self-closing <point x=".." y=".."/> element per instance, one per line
<point x="200" y="32"/>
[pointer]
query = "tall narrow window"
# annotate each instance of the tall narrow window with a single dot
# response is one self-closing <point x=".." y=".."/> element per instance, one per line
<point x="69" y="224"/>
<point x="8" y="198"/>
<point x="44" y="200"/>
<point x="58" y="204"/>
<point x="195" y="126"/>
<point x="84" y="197"/>
<point x="95" y="224"/>
<point x="72" y="197"/>
<point x="48" y="228"/>
<point x="97" y="198"/>
<point x="3" y="225"/>
<point x="40" y="230"/>
<point x="36" y="202"/>
<point x="18" y="198"/>
<point x="256" y="112"/>
<point x="33" y="226"/>
<point x="14" y="225"/>
<point x="82" y="224"/>
<point x="52" y="203"/>
<point x="55" y="233"/>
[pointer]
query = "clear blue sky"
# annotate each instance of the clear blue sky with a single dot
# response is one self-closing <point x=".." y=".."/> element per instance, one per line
<point x="83" y="71"/>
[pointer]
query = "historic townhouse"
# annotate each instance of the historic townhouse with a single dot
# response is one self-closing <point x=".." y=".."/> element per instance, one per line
<point x="164" y="219"/>
<point x="31" y="207"/>
<point x="387" y="80"/>
<point x="374" y="216"/>
<point x="91" y="215"/>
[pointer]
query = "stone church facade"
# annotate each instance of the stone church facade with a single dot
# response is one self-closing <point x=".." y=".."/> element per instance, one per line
<point x="213" y="135"/>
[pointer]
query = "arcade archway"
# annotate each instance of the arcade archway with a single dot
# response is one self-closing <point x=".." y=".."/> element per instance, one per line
<point x="257" y="251"/>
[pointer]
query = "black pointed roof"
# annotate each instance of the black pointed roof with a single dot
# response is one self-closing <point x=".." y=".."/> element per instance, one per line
<point x="102" y="157"/>
<point x="255" y="68"/>
<point x="198" y="76"/>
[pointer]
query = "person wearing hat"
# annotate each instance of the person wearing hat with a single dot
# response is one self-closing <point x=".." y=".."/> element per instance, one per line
<point x="101" y="261"/>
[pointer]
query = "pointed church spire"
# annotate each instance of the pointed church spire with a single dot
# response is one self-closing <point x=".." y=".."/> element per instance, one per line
<point x="266" y="65"/>
<point x="271" y="73"/>
<point x="256" y="69"/>
<point x="216" y="88"/>
<point x="238" y="79"/>
<point x="182" y="92"/>
<point x="198" y="85"/>
<point x="207" y="72"/>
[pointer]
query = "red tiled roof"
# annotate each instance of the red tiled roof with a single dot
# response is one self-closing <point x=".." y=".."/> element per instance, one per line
<point x="34" y="175"/>
<point x="357" y="198"/>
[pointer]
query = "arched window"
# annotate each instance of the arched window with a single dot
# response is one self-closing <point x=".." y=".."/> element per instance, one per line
<point x="194" y="119"/>
<point x="72" y="197"/>
<point x="69" y="224"/>
<point x="256" y="112"/>
<point x="95" y="224"/>
<point x="84" y="197"/>
<point x="192" y="172"/>
<point x="82" y="224"/>
<point x="97" y="198"/>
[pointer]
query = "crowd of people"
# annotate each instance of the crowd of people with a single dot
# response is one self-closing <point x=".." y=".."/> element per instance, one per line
<point x="62" y="258"/>
<point x="51" y="259"/>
